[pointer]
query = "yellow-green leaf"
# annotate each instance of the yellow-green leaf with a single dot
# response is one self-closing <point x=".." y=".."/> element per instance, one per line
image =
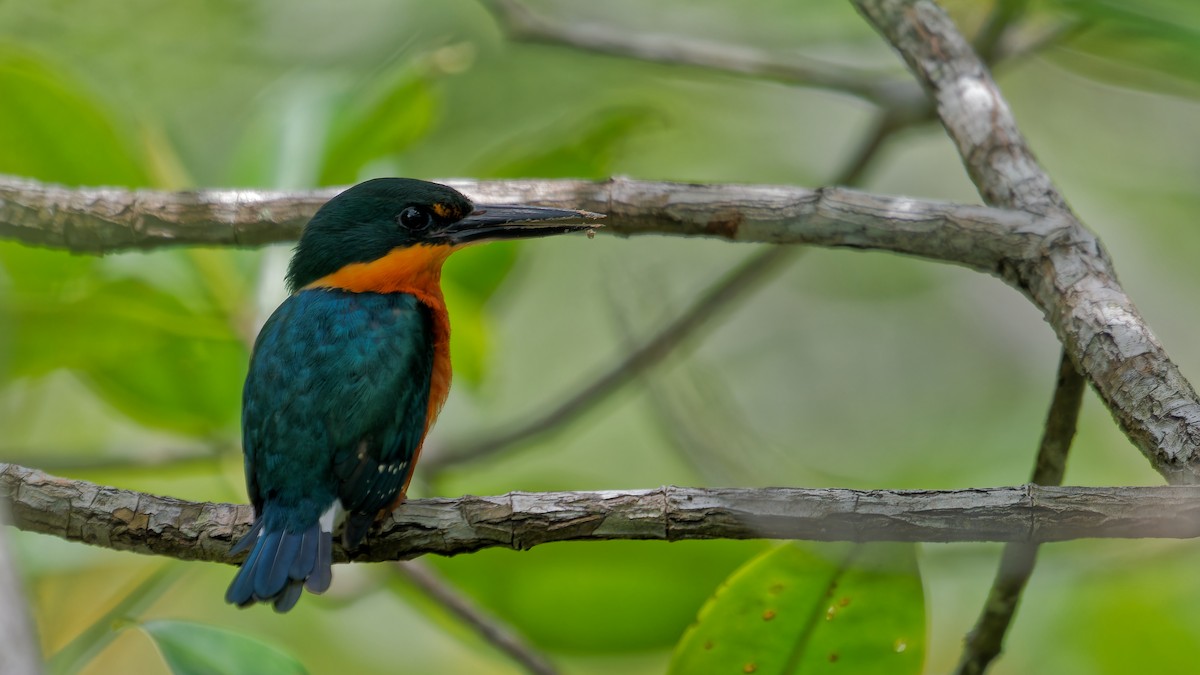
<point x="198" y="649"/>
<point x="792" y="611"/>
<point x="51" y="129"/>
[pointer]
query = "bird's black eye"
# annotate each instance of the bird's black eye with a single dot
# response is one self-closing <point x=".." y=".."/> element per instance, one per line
<point x="415" y="218"/>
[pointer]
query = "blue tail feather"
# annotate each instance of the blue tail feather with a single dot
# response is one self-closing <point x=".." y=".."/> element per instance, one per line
<point x="306" y="557"/>
<point x="250" y="537"/>
<point x="267" y="583"/>
<point x="241" y="591"/>
<point x="322" y="573"/>
<point x="288" y="598"/>
<point x="280" y="565"/>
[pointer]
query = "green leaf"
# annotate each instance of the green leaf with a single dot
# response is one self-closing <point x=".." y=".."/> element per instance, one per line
<point x="87" y="644"/>
<point x="52" y="130"/>
<point x="192" y="386"/>
<point x="143" y="350"/>
<point x="380" y="122"/>
<point x="793" y="611"/>
<point x="198" y="649"/>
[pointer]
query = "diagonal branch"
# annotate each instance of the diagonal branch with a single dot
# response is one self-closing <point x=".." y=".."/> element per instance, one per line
<point x="969" y="103"/>
<point x="132" y="521"/>
<point x="496" y="633"/>
<point x="1006" y="173"/>
<point x="1155" y="406"/>
<point x="986" y="639"/>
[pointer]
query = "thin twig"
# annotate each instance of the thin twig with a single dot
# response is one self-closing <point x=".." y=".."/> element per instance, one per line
<point x="886" y="125"/>
<point x="751" y="274"/>
<point x="72" y="657"/>
<point x="883" y="89"/>
<point x="488" y="627"/>
<point x="1060" y="425"/>
<point x="989" y="41"/>
<point x="986" y="639"/>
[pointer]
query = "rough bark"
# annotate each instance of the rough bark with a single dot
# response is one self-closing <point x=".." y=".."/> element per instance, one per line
<point x="89" y="220"/>
<point x="143" y="523"/>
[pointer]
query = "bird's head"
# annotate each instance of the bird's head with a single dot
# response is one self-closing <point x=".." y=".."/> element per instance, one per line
<point x="397" y="224"/>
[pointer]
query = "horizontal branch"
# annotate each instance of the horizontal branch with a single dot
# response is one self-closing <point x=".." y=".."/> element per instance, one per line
<point x="133" y="521"/>
<point x="1050" y="257"/>
<point x="103" y="220"/>
<point x="107" y="220"/>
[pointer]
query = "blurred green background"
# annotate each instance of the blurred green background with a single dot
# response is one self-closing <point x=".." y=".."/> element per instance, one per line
<point x="849" y="369"/>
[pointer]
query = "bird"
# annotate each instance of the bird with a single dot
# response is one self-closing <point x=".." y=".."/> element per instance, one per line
<point x="349" y="373"/>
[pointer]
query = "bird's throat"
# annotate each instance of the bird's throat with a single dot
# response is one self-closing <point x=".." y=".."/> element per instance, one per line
<point x="409" y="269"/>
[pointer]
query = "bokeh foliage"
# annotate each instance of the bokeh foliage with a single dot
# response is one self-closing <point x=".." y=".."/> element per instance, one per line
<point x="858" y="370"/>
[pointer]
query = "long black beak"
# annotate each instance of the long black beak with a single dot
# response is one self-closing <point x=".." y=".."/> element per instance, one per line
<point x="502" y="221"/>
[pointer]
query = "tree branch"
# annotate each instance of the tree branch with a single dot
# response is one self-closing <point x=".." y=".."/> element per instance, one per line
<point x="1155" y="406"/>
<point x="969" y="103"/>
<point x="488" y="627"/>
<point x="105" y="220"/>
<point x="1006" y="173"/>
<point x="1050" y="257"/>
<point x="986" y="639"/>
<point x="132" y="521"/>
<point x="884" y="90"/>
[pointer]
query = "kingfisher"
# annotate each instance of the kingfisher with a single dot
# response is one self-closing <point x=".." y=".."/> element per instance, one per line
<point x="348" y="374"/>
